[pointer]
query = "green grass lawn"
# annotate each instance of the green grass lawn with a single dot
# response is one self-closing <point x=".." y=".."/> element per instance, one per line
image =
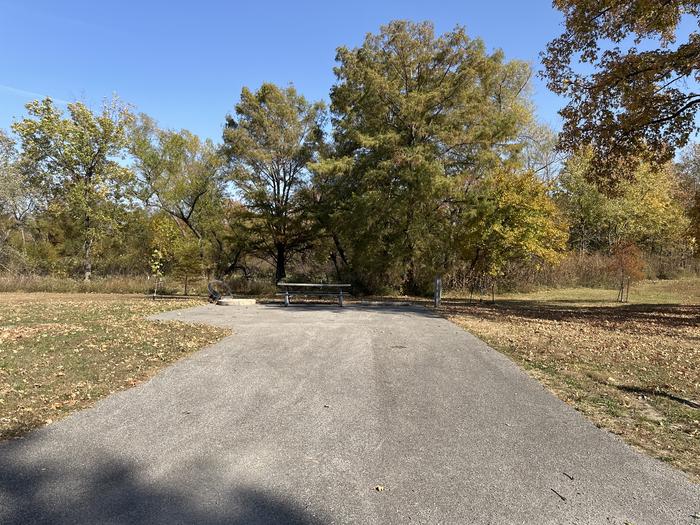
<point x="62" y="352"/>
<point x="633" y="369"/>
<point x="680" y="291"/>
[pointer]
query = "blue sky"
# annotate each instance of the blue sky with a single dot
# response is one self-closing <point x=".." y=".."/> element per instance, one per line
<point x="184" y="63"/>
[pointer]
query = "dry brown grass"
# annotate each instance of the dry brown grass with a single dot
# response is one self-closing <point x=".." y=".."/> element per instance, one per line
<point x="632" y="369"/>
<point x="99" y="285"/>
<point x="62" y="352"/>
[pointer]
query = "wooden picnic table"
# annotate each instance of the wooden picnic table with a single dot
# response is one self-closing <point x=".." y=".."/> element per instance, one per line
<point x="315" y="289"/>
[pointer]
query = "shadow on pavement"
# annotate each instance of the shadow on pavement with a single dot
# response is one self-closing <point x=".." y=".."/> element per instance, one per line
<point x="114" y="492"/>
<point x="385" y="308"/>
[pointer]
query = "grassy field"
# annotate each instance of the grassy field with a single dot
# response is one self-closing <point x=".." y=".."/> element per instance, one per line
<point x="62" y="352"/>
<point x="633" y="369"/>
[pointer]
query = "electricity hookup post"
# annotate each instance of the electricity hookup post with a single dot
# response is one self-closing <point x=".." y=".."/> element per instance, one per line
<point x="438" y="291"/>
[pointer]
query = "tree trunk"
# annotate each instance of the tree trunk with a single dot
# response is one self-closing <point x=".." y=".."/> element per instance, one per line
<point x="205" y="271"/>
<point x="230" y="268"/>
<point x="340" y="249"/>
<point x="87" y="223"/>
<point x="87" y="266"/>
<point x="621" y="290"/>
<point x="334" y="258"/>
<point x="87" y="255"/>
<point x="280" y="272"/>
<point x="410" y="284"/>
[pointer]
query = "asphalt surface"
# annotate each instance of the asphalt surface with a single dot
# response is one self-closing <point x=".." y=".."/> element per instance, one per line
<point x="304" y="411"/>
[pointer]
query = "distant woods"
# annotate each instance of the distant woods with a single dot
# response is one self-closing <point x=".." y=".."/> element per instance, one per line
<point x="428" y="161"/>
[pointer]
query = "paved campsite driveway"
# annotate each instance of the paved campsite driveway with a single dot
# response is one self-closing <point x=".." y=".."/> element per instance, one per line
<point x="299" y="415"/>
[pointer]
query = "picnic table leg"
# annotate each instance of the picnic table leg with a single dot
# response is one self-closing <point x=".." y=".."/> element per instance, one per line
<point x="340" y="298"/>
<point x="286" y="298"/>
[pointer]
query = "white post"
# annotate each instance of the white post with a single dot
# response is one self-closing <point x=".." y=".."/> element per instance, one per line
<point x="438" y="291"/>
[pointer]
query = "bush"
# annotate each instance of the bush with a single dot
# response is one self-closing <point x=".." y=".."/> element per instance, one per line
<point x="262" y="285"/>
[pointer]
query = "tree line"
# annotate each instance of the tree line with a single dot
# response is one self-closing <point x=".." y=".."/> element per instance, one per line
<point x="428" y="161"/>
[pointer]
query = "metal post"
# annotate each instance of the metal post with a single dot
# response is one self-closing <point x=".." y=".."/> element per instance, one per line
<point x="340" y="297"/>
<point x="438" y="291"/>
<point x="286" y="297"/>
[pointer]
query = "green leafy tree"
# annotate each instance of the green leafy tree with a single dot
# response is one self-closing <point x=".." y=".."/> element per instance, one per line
<point x="418" y="119"/>
<point x="16" y="203"/>
<point x="688" y="170"/>
<point x="584" y="205"/>
<point x="15" y="193"/>
<point x="629" y="102"/>
<point x="74" y="159"/>
<point x="183" y="176"/>
<point x="644" y="211"/>
<point x="123" y="249"/>
<point x="513" y="220"/>
<point x="240" y="241"/>
<point x="176" y="252"/>
<point x="273" y="136"/>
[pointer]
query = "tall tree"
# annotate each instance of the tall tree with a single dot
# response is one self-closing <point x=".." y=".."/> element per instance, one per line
<point x="540" y="154"/>
<point x="644" y="211"/>
<point x="637" y="95"/>
<point x="512" y="221"/>
<point x="183" y="176"/>
<point x="10" y="186"/>
<point x="418" y="119"/>
<point x="688" y="170"/>
<point x="273" y="136"/>
<point x="16" y="197"/>
<point x="75" y="160"/>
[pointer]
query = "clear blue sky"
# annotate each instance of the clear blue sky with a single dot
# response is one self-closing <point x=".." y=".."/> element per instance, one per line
<point x="184" y="63"/>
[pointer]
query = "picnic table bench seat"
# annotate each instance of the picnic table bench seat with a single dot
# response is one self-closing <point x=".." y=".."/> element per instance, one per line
<point x="313" y="289"/>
